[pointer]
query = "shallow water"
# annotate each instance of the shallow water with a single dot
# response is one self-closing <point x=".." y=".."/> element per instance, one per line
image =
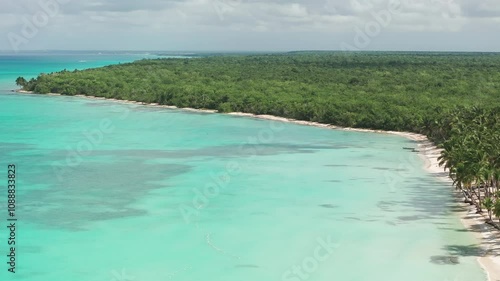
<point x="109" y="191"/>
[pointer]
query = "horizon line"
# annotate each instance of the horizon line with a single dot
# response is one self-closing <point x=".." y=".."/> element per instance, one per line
<point x="245" y="51"/>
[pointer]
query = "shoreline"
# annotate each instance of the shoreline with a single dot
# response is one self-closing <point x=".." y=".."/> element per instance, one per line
<point x="487" y="236"/>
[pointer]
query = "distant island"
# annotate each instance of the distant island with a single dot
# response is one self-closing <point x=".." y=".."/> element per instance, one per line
<point x="452" y="98"/>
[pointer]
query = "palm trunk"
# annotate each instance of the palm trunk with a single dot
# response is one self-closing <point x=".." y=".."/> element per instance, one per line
<point x="479" y="209"/>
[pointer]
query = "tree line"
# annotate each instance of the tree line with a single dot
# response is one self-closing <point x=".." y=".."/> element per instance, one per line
<point x="452" y="98"/>
<point x="471" y="153"/>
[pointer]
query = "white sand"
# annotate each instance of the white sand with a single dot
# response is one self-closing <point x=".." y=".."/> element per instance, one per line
<point x="488" y="236"/>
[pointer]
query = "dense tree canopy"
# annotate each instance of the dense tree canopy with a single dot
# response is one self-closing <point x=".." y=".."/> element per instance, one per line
<point x="389" y="91"/>
<point x="452" y="98"/>
<point x="472" y="156"/>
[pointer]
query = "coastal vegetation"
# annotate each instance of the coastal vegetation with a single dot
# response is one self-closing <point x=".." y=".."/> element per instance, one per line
<point x="452" y="98"/>
<point x="471" y="154"/>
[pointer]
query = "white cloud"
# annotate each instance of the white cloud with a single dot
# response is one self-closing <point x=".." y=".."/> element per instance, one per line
<point x="193" y="18"/>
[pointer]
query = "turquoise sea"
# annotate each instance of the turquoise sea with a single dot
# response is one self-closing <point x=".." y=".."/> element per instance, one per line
<point x="110" y="191"/>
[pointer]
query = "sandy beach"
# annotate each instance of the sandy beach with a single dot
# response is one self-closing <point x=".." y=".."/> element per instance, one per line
<point x="488" y="237"/>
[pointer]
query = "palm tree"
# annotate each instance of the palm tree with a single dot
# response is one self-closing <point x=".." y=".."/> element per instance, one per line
<point x="489" y="205"/>
<point x="21" y="82"/>
<point x="496" y="209"/>
<point x="471" y="153"/>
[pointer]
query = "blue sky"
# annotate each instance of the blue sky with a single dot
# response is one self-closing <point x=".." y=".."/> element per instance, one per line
<point x="272" y="25"/>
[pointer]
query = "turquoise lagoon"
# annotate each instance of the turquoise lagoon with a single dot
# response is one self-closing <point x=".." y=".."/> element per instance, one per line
<point x="111" y="191"/>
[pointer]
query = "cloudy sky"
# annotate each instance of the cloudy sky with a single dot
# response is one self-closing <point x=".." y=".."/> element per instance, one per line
<point x="271" y="25"/>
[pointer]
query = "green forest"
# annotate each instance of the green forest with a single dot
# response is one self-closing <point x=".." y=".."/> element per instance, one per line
<point x="453" y="98"/>
<point x="403" y="92"/>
